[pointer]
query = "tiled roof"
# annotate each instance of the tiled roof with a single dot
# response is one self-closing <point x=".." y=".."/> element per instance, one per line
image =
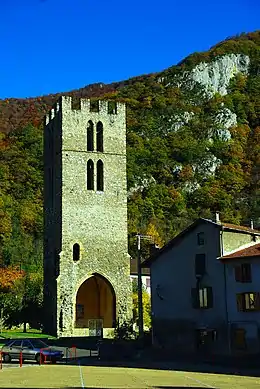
<point x="242" y="228"/>
<point x="220" y="225"/>
<point x="252" y="251"/>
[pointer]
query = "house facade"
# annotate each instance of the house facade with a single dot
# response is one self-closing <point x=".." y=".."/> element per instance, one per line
<point x="190" y="307"/>
<point x="243" y="298"/>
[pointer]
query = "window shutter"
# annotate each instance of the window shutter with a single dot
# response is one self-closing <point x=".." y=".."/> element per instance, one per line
<point x="246" y="275"/>
<point x="257" y="301"/>
<point x="195" y="298"/>
<point x="238" y="273"/>
<point x="249" y="273"/>
<point x="200" y="264"/>
<point x="210" y="297"/>
<point x="240" y="305"/>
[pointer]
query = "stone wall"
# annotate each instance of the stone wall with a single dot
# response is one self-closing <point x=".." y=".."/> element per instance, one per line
<point x="97" y="221"/>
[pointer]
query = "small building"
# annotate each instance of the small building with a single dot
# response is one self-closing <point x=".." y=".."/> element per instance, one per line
<point x="145" y="275"/>
<point x="190" y="292"/>
<point x="243" y="298"/>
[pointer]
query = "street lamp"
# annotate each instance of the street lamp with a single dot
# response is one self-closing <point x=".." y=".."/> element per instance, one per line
<point x="139" y="283"/>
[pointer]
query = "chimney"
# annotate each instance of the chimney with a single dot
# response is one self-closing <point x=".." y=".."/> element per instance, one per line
<point x="153" y="249"/>
<point x="252" y="224"/>
<point x="217" y="219"/>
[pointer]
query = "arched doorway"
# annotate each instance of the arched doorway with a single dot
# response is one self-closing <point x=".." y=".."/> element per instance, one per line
<point x="95" y="300"/>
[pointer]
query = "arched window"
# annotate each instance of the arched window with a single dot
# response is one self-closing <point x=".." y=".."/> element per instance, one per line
<point x="90" y="136"/>
<point x="100" y="137"/>
<point x="100" y="176"/>
<point x="76" y="252"/>
<point x="90" y="175"/>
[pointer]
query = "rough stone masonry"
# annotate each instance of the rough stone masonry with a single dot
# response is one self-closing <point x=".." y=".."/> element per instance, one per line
<point x="85" y="227"/>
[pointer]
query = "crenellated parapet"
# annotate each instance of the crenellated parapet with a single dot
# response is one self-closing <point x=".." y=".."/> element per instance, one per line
<point x="102" y="107"/>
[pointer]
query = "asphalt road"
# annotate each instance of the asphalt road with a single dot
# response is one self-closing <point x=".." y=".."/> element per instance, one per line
<point x="80" y="353"/>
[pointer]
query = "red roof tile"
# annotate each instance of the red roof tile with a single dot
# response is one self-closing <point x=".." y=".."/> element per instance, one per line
<point x="252" y="251"/>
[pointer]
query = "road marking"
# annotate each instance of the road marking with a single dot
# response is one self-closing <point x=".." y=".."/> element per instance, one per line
<point x="200" y="382"/>
<point x="81" y="375"/>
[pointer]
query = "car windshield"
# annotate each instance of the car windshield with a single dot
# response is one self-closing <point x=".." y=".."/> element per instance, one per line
<point x="38" y="343"/>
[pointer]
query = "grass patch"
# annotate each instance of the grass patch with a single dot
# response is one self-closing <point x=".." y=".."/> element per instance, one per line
<point x="31" y="333"/>
<point x="60" y="376"/>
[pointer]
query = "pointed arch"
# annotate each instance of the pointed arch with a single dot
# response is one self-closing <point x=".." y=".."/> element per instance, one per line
<point x="90" y="136"/>
<point x="99" y="137"/>
<point x="100" y="176"/>
<point x="90" y="175"/>
<point x="95" y="300"/>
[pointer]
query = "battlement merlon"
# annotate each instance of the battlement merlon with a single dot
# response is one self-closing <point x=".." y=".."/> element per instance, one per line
<point x="52" y="113"/>
<point x="102" y="107"/>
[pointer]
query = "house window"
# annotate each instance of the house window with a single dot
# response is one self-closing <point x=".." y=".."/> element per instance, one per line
<point x="90" y="175"/>
<point x="243" y="273"/>
<point x="76" y="252"/>
<point x="90" y="136"/>
<point x="238" y="338"/>
<point x="148" y="282"/>
<point x="248" y="302"/>
<point x="201" y="238"/>
<point x="100" y="176"/>
<point x="200" y="264"/>
<point x="202" y="297"/>
<point x="100" y="137"/>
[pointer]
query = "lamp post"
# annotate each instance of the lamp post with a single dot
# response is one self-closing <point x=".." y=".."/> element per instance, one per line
<point x="139" y="283"/>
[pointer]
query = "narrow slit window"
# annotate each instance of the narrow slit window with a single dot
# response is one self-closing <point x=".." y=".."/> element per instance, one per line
<point x="90" y="136"/>
<point x="76" y="252"/>
<point x="100" y="176"/>
<point x="90" y="175"/>
<point x="100" y="137"/>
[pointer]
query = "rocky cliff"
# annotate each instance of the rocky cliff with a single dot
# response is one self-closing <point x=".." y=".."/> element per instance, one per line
<point x="193" y="132"/>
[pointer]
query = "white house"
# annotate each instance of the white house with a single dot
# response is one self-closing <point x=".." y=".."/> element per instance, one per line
<point x="145" y="274"/>
<point x="190" y="296"/>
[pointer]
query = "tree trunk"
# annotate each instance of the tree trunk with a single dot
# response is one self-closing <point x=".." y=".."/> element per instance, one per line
<point x="24" y="326"/>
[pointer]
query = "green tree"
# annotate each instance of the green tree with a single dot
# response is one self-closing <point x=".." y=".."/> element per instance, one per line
<point x="146" y="306"/>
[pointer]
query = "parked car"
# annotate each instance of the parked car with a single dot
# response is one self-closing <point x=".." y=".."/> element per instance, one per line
<point x="31" y="349"/>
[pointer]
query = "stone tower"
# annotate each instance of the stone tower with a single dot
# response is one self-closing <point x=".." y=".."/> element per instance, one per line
<point x="86" y="262"/>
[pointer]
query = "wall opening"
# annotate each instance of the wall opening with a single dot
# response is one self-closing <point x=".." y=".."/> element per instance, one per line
<point x="100" y="176"/>
<point x="76" y="252"/>
<point x="100" y="137"/>
<point x="75" y="103"/>
<point x="90" y="175"/>
<point x="112" y="108"/>
<point x="95" y="300"/>
<point x="94" y="106"/>
<point x="90" y="136"/>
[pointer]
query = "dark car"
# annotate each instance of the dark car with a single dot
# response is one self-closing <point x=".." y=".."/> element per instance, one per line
<point x="32" y="350"/>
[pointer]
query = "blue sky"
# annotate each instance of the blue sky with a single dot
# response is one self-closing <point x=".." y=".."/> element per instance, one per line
<point x="50" y="46"/>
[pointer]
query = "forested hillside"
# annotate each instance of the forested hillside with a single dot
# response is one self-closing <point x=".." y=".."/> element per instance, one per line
<point x="193" y="148"/>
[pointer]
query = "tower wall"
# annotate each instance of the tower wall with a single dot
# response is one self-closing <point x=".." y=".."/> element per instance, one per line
<point x="96" y="220"/>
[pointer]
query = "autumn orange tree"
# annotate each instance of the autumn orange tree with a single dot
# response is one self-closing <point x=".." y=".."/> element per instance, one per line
<point x="8" y="277"/>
